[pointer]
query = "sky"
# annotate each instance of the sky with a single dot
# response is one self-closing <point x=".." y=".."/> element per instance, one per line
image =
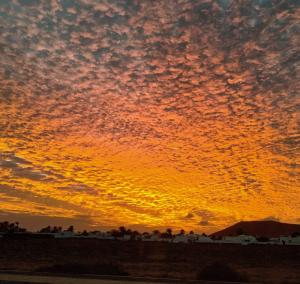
<point x="149" y="114"/>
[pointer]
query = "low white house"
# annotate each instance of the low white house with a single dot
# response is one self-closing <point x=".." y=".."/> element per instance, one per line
<point x="296" y="241"/>
<point x="159" y="237"/>
<point x="104" y="236"/>
<point x="203" y="239"/>
<point x="168" y="240"/>
<point x="290" y="240"/>
<point x="64" y="234"/>
<point x="181" y="239"/>
<point x="241" y="239"/>
<point x="125" y="238"/>
<point x="275" y="241"/>
<point x="151" y="238"/>
<point x="191" y="238"/>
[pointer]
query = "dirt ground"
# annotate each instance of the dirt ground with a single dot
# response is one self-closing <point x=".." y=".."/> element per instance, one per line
<point x="261" y="263"/>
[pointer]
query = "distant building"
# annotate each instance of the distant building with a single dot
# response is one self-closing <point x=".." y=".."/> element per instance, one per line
<point x="241" y="239"/>
<point x="64" y="234"/>
<point x="181" y="239"/>
<point x="289" y="240"/>
<point x="151" y="238"/>
<point x="203" y="239"/>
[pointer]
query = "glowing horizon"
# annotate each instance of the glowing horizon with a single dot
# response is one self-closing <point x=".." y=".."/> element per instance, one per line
<point x="159" y="114"/>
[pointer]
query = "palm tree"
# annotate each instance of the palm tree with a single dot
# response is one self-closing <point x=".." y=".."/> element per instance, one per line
<point x="46" y="230"/>
<point x="134" y="235"/>
<point x="122" y="231"/>
<point x="71" y="229"/>
<point x="55" y="229"/>
<point x="169" y="232"/>
<point x="11" y="227"/>
<point x="4" y="226"/>
<point x="115" y="233"/>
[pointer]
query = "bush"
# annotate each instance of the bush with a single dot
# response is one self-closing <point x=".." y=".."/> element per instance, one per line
<point x="78" y="268"/>
<point x="220" y="272"/>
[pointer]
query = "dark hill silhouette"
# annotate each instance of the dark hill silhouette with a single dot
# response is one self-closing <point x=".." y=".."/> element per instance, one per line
<point x="259" y="228"/>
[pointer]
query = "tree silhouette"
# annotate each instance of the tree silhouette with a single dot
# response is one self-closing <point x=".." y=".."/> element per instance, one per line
<point x="55" y="229"/>
<point x="122" y="231"/>
<point x="169" y="232"/>
<point x="6" y="227"/>
<point x="295" y="234"/>
<point x="115" y="233"/>
<point x="145" y="234"/>
<point x="134" y="235"/>
<point x="71" y="229"/>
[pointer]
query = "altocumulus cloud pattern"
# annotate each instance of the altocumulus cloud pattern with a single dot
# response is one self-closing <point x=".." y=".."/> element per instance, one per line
<point x="177" y="113"/>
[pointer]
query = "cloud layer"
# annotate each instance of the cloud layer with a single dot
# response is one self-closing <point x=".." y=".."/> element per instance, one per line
<point x="150" y="113"/>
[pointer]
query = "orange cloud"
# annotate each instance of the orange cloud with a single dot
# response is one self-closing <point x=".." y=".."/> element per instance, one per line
<point x="141" y="114"/>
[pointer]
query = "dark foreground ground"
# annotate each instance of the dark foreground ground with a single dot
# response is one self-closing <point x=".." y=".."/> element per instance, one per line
<point x="261" y="263"/>
<point x="45" y="278"/>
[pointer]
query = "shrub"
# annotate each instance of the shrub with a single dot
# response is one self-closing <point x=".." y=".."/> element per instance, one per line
<point x="220" y="272"/>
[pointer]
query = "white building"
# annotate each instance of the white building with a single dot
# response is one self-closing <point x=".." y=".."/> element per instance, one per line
<point x="191" y="238"/>
<point x="289" y="240"/>
<point x="104" y="236"/>
<point x="125" y="238"/>
<point x="181" y="239"/>
<point x="241" y="239"/>
<point x="64" y="234"/>
<point x="151" y="238"/>
<point x="203" y="239"/>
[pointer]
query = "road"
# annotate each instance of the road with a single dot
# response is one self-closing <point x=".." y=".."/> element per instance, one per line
<point x="19" y="278"/>
<point x="32" y="278"/>
<point x="37" y="279"/>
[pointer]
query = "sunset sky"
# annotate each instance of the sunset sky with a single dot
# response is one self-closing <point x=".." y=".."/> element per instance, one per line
<point x="149" y="114"/>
